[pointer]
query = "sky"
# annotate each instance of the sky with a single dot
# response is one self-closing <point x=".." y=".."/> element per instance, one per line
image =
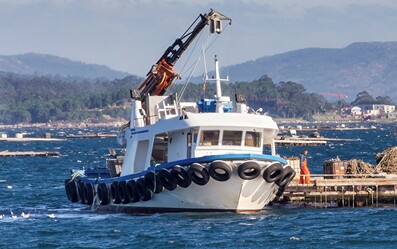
<point x="131" y="35"/>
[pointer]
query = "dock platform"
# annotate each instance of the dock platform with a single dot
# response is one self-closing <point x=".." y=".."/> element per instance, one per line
<point x="342" y="191"/>
<point x="91" y="135"/>
<point x="308" y="141"/>
<point x="31" y="139"/>
<point x="28" y="153"/>
<point x="299" y="142"/>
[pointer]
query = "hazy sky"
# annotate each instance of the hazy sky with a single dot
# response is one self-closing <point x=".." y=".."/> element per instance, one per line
<point x="130" y="35"/>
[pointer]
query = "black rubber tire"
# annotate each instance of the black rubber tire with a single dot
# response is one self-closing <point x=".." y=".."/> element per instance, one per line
<point x="122" y="192"/>
<point x="249" y="170"/>
<point x="198" y="174"/>
<point x="103" y="194"/>
<point x="280" y="192"/>
<point x="143" y="189"/>
<point x="273" y="172"/>
<point x="114" y="196"/>
<point x="71" y="190"/>
<point x="80" y="190"/>
<point x="153" y="182"/>
<point x="220" y="166"/>
<point x="132" y="191"/>
<point x="67" y="189"/>
<point x="180" y="176"/>
<point x="88" y="193"/>
<point x="165" y="178"/>
<point x="286" y="177"/>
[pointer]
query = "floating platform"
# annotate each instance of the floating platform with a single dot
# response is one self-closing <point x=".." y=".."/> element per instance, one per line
<point x="91" y="135"/>
<point x="28" y="153"/>
<point x="341" y="191"/>
<point x="29" y="139"/>
<point x="309" y="141"/>
<point x="299" y="142"/>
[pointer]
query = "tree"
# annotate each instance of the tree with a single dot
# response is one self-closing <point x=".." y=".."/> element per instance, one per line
<point x="363" y="98"/>
<point x="384" y="100"/>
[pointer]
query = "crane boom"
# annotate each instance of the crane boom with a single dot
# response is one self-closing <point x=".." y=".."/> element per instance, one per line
<point x="162" y="74"/>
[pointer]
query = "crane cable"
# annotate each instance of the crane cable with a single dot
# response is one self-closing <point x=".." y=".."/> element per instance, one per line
<point x="172" y="88"/>
<point x="206" y="46"/>
<point x="193" y="67"/>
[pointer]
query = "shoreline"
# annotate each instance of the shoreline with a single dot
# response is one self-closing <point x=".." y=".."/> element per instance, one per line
<point x="63" y="125"/>
<point x="119" y="123"/>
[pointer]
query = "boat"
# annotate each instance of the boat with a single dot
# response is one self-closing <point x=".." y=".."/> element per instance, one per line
<point x="186" y="157"/>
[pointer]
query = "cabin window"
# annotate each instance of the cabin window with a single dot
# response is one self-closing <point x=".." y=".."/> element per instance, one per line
<point x="160" y="147"/>
<point x="209" y="138"/>
<point x="232" y="138"/>
<point x="141" y="154"/>
<point x="252" y="139"/>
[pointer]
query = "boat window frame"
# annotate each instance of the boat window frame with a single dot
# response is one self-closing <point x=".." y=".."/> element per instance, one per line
<point x="256" y="139"/>
<point x="232" y="142"/>
<point x="163" y="156"/>
<point x="209" y="137"/>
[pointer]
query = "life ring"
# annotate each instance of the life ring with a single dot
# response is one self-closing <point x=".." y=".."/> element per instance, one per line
<point x="153" y="182"/>
<point x="249" y="170"/>
<point x="80" y="190"/>
<point x="273" y="172"/>
<point x="198" y="174"/>
<point x="220" y="171"/>
<point x="143" y="190"/>
<point x="286" y="177"/>
<point x="180" y="176"/>
<point x="114" y="193"/>
<point x="165" y="178"/>
<point x="132" y="191"/>
<point x="88" y="193"/>
<point x="122" y="193"/>
<point x="71" y="190"/>
<point x="103" y="194"/>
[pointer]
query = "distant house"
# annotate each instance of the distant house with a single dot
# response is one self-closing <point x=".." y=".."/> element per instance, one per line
<point x="377" y="110"/>
<point x="392" y="115"/>
<point x="355" y="111"/>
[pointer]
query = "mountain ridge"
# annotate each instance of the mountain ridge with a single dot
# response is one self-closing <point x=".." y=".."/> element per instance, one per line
<point x="46" y="64"/>
<point x="370" y="66"/>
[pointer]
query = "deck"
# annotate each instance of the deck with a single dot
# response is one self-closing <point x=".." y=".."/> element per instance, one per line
<point x="343" y="191"/>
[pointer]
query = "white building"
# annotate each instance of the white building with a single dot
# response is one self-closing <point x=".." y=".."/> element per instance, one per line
<point x="377" y="110"/>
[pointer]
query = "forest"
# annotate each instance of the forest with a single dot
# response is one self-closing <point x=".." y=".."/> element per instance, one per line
<point x="42" y="99"/>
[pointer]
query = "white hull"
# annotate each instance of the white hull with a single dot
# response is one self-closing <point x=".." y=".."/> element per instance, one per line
<point x="235" y="195"/>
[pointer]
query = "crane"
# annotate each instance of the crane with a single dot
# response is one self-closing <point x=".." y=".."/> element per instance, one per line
<point x="339" y="95"/>
<point x="162" y="74"/>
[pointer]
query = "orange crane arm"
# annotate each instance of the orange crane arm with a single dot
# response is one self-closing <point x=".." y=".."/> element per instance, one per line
<point x="162" y="74"/>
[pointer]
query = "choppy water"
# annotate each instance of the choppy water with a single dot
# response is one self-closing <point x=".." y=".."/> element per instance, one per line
<point x="34" y="185"/>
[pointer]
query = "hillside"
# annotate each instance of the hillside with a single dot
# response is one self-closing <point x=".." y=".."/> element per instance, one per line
<point x="370" y="66"/>
<point x="43" y="64"/>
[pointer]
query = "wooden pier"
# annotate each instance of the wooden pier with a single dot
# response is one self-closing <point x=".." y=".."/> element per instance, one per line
<point x="28" y="153"/>
<point x="343" y="191"/>
<point x="299" y="142"/>
<point x="308" y="141"/>
<point x="31" y="139"/>
<point x="91" y="135"/>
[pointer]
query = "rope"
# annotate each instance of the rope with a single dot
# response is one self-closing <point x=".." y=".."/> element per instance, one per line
<point x="206" y="46"/>
<point x="193" y="67"/>
<point x="75" y="175"/>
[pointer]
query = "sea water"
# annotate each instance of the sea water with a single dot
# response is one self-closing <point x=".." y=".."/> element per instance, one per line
<point x="35" y="185"/>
